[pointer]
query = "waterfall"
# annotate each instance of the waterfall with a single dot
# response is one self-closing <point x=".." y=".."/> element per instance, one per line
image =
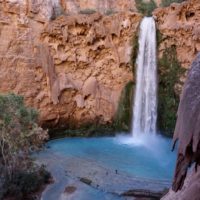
<point x="145" y="101"/>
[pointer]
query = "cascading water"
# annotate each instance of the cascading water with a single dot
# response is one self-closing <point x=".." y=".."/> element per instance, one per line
<point x="145" y="102"/>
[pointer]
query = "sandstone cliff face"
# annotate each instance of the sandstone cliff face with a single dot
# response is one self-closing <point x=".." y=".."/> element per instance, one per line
<point x="178" y="43"/>
<point x="72" y="69"/>
<point x="180" y="26"/>
<point x="45" y="9"/>
<point x="103" y="6"/>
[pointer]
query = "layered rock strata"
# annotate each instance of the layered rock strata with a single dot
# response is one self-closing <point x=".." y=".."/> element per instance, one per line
<point x="73" y="68"/>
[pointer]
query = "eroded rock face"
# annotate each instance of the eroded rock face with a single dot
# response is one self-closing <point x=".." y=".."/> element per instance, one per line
<point x="180" y="26"/>
<point x="46" y="9"/>
<point x="187" y="129"/>
<point x="72" y="69"/>
<point x="190" y="189"/>
<point x="188" y="133"/>
<point x="103" y="6"/>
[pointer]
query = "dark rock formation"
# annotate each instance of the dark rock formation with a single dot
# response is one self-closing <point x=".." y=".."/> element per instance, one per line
<point x="70" y="189"/>
<point x="187" y="130"/>
<point x="147" y="194"/>
<point x="86" y="180"/>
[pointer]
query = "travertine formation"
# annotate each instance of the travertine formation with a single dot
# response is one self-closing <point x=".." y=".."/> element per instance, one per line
<point x="188" y="133"/>
<point x="180" y="26"/>
<point x="103" y="6"/>
<point x="73" y="68"/>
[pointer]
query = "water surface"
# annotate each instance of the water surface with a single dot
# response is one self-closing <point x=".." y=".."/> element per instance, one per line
<point x="147" y="157"/>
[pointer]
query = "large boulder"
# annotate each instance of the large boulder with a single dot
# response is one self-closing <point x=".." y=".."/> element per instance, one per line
<point x="187" y="131"/>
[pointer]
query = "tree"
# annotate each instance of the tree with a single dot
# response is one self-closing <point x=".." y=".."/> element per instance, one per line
<point x="19" y="135"/>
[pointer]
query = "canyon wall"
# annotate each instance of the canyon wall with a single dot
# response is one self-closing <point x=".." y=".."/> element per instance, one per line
<point x="71" y="68"/>
<point x="103" y="6"/>
<point x="178" y="43"/>
<point x="179" y="25"/>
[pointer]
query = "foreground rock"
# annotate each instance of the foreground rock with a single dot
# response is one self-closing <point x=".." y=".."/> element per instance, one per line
<point x="188" y="133"/>
<point x="144" y="194"/>
<point x="190" y="189"/>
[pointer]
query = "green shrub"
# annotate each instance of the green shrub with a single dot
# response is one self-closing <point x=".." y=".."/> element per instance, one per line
<point x="110" y="12"/>
<point x="19" y="135"/>
<point x="25" y="182"/>
<point x="87" y="11"/>
<point x="134" y="53"/>
<point x="166" y="3"/>
<point x="170" y="72"/>
<point x="86" y="130"/>
<point x="145" y="8"/>
<point x="123" y="116"/>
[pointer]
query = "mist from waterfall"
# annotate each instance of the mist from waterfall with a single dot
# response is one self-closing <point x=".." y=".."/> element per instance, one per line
<point x="145" y="101"/>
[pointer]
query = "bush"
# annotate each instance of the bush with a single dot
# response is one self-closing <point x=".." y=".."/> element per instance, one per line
<point x="145" y="8"/>
<point x="170" y="72"/>
<point x="19" y="135"/>
<point x="134" y="52"/>
<point x="166" y="3"/>
<point x="110" y="12"/>
<point x="123" y="115"/>
<point x="25" y="182"/>
<point x="87" y="11"/>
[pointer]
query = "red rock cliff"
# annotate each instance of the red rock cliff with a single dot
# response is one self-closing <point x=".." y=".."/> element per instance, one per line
<point x="73" y="68"/>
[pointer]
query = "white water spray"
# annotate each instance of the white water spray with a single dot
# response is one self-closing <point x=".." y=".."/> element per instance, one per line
<point x="145" y="102"/>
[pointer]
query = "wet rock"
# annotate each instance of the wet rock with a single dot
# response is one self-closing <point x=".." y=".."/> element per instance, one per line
<point x="86" y="181"/>
<point x="70" y="189"/>
<point x="147" y="194"/>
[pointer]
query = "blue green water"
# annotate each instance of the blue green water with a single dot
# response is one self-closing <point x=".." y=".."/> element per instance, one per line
<point x="147" y="157"/>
